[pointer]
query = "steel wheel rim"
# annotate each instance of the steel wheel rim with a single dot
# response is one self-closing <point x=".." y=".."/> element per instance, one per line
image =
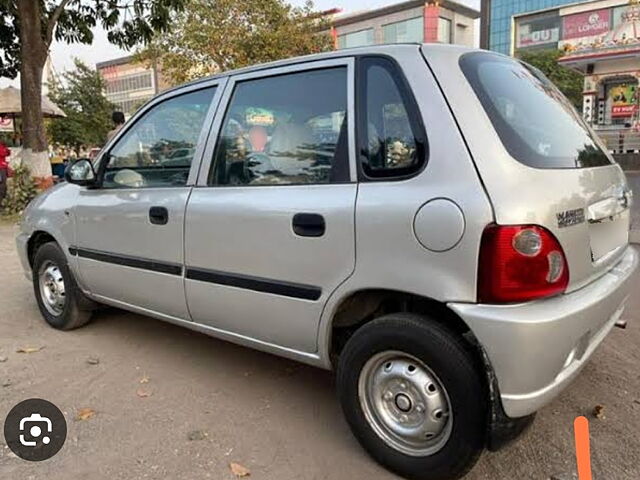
<point x="405" y="403"/>
<point x="52" y="289"/>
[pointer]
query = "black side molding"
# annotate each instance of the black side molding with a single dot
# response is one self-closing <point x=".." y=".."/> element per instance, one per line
<point x="258" y="284"/>
<point x="127" y="261"/>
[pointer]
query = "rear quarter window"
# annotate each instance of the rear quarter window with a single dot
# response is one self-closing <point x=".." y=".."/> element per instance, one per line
<point x="536" y="123"/>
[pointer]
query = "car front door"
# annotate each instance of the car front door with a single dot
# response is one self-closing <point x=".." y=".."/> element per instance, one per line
<point x="269" y="231"/>
<point x="129" y="230"/>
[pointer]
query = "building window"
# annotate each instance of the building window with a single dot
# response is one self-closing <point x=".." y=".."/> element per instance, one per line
<point x="130" y="83"/>
<point x="129" y="107"/>
<point x="406" y="31"/>
<point x="356" y="39"/>
<point x="444" y="30"/>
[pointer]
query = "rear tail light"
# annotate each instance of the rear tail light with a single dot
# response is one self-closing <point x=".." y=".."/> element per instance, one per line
<point x="520" y="263"/>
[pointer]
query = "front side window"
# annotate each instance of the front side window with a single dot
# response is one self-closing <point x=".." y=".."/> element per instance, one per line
<point x="286" y="129"/>
<point x="158" y="149"/>
<point x="390" y="131"/>
<point x="536" y="123"/>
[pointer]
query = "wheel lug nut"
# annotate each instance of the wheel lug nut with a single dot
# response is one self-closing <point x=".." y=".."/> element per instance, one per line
<point x="419" y="408"/>
<point x="403" y="418"/>
<point x="403" y="386"/>
<point x="387" y="396"/>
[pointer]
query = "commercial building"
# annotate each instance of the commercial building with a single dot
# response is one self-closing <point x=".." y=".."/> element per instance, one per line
<point x="129" y="83"/>
<point x="601" y="40"/>
<point x="497" y="20"/>
<point x="411" y="21"/>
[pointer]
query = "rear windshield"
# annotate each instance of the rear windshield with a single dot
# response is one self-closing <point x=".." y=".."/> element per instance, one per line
<point x="536" y="123"/>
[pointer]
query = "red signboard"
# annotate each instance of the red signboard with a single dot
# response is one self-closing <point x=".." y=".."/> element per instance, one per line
<point x="623" y="110"/>
<point x="586" y="24"/>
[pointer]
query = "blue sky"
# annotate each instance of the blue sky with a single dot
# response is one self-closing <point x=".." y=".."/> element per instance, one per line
<point x="62" y="54"/>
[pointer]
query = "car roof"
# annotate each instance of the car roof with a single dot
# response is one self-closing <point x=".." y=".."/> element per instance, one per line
<point x="388" y="49"/>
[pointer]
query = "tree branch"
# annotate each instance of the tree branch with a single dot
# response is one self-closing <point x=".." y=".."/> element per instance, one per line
<point x="53" y="20"/>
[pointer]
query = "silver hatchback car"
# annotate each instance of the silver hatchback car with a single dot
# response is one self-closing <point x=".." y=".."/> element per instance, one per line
<point x="436" y="223"/>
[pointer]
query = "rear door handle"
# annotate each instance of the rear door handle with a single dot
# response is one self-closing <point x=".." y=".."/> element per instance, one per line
<point x="308" y="224"/>
<point x="158" y="215"/>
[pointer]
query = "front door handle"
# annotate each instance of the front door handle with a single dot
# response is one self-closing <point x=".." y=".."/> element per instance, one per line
<point x="158" y="215"/>
<point x="308" y="224"/>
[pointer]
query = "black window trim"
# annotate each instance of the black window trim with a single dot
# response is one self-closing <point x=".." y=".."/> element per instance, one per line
<point x="293" y="69"/>
<point x="142" y="112"/>
<point x="413" y="111"/>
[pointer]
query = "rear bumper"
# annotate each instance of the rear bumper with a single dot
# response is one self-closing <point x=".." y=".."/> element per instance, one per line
<point x="537" y="348"/>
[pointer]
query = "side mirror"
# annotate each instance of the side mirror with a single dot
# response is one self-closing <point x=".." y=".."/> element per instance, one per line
<point x="81" y="172"/>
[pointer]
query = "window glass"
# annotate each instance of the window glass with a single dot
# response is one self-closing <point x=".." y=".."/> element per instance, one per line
<point x="536" y="123"/>
<point x="356" y="39"/>
<point x="406" y="31"/>
<point x="444" y="30"/>
<point x="286" y="129"/>
<point x="158" y="149"/>
<point x="390" y="130"/>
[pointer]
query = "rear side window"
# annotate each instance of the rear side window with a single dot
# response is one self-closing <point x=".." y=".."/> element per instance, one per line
<point x="390" y="130"/>
<point x="536" y="123"/>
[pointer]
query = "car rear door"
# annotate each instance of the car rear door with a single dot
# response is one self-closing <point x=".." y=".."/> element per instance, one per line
<point x="269" y="230"/>
<point x="129" y="231"/>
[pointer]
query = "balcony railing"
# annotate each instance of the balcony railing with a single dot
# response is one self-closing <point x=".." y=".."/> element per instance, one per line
<point x="621" y="141"/>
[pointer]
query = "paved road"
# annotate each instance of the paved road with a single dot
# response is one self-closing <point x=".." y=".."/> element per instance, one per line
<point x="278" y="418"/>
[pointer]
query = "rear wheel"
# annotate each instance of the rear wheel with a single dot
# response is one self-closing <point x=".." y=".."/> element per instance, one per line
<point x="413" y="396"/>
<point x="61" y="302"/>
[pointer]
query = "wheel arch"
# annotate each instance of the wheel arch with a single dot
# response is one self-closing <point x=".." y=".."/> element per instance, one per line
<point x="361" y="306"/>
<point x="36" y="240"/>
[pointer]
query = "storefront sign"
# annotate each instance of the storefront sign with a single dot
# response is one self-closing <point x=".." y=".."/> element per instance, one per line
<point x="618" y="16"/>
<point x="624" y="101"/>
<point x="623" y="110"/>
<point x="6" y="124"/>
<point x="538" y="31"/>
<point x="586" y="24"/>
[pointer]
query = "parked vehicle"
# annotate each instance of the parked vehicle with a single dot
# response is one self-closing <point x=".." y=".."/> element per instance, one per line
<point x="438" y="224"/>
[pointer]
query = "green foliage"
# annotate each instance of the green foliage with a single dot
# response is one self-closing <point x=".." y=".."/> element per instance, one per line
<point x="209" y="36"/>
<point x="127" y="22"/>
<point x="9" y="46"/>
<point x="88" y="111"/>
<point x="21" y="190"/>
<point x="569" y="82"/>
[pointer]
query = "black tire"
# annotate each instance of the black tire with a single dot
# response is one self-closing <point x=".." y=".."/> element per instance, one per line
<point x="452" y="361"/>
<point x="77" y="308"/>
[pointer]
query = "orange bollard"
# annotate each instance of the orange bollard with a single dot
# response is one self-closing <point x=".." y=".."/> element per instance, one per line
<point x="583" y="451"/>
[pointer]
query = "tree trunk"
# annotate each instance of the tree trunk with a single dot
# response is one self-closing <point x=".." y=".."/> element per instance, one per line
<point x="33" y="53"/>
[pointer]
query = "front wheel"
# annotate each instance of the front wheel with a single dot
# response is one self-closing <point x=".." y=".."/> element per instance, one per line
<point x="414" y="397"/>
<point x="61" y="302"/>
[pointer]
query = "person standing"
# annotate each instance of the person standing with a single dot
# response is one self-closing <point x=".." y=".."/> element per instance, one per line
<point x="4" y="169"/>
<point x="118" y="121"/>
